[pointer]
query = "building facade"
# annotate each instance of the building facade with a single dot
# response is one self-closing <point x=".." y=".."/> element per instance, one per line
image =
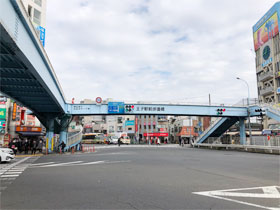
<point x="267" y="49"/>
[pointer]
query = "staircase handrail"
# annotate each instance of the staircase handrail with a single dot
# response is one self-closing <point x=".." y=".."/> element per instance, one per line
<point x="75" y="138"/>
<point x="207" y="129"/>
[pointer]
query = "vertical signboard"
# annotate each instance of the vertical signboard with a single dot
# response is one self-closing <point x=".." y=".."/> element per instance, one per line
<point x="2" y="113"/>
<point x="14" y="114"/>
<point x="42" y="34"/>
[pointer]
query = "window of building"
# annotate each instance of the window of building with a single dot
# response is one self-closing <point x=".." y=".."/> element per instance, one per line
<point x="120" y="128"/>
<point x="38" y="2"/>
<point x="154" y="127"/>
<point x="37" y="17"/>
<point x="111" y="129"/>
<point x="29" y="10"/>
<point x="130" y="129"/>
<point x="119" y="119"/>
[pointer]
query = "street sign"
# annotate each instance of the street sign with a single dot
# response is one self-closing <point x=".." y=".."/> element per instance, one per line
<point x="98" y="100"/>
<point x="115" y="107"/>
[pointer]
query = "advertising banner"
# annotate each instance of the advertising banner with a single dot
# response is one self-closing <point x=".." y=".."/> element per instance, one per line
<point x="2" y="113"/>
<point x="267" y="31"/>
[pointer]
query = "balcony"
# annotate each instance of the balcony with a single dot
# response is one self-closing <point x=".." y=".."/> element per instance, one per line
<point x="267" y="90"/>
<point x="265" y="76"/>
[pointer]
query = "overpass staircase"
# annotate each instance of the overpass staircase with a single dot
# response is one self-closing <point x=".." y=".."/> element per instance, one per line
<point x="217" y="128"/>
<point x="272" y="111"/>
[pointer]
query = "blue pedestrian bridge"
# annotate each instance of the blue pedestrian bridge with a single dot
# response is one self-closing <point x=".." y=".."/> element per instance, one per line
<point x="27" y="76"/>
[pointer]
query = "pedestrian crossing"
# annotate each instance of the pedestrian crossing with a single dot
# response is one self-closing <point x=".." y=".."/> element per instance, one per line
<point x="75" y="163"/>
<point x="10" y="171"/>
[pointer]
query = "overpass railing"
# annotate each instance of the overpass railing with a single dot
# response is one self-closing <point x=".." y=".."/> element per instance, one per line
<point x="74" y="139"/>
<point x="208" y="129"/>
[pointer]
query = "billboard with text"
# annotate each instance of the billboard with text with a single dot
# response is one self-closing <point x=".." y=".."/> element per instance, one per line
<point x="266" y="31"/>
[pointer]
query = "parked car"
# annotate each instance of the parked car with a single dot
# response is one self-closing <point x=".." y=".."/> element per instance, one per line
<point x="113" y="140"/>
<point x="6" y="155"/>
<point x="126" y="140"/>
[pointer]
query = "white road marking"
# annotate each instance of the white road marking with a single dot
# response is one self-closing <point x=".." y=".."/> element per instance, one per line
<point x="38" y="164"/>
<point x="6" y="176"/>
<point x="58" y="164"/>
<point x="91" y="163"/>
<point x="13" y="172"/>
<point x="270" y="192"/>
<point x="119" y="161"/>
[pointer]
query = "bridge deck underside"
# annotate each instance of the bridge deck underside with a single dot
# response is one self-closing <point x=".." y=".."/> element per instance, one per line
<point x="18" y="82"/>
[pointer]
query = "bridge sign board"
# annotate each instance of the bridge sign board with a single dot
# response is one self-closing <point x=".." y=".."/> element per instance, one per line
<point x="115" y="107"/>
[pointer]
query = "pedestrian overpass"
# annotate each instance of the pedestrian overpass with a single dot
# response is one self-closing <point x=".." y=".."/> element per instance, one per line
<point x="27" y="76"/>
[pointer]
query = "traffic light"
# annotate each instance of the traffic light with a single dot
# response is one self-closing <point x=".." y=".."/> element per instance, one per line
<point x="129" y="108"/>
<point x="220" y="111"/>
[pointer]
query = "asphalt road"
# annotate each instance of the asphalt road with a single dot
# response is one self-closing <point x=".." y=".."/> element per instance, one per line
<point x="143" y="178"/>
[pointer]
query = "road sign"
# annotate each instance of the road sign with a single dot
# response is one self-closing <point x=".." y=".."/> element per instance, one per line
<point x="98" y="100"/>
<point x="115" y="107"/>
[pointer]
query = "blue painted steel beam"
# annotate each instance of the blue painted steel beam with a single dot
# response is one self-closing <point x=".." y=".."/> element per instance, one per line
<point x="18" y="33"/>
<point x="211" y="130"/>
<point x="273" y="115"/>
<point x="165" y="109"/>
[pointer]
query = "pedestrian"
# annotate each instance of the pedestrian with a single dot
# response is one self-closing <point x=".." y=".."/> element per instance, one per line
<point x="158" y="140"/>
<point x="40" y="145"/>
<point x="34" y="147"/>
<point x="15" y="146"/>
<point x="26" y="145"/>
<point x="119" y="141"/>
<point x="62" y="144"/>
<point x="19" y="145"/>
<point x="180" y="140"/>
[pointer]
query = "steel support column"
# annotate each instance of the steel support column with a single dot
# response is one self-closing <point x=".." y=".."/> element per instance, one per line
<point x="65" y="120"/>
<point x="49" y="135"/>
<point x="242" y="131"/>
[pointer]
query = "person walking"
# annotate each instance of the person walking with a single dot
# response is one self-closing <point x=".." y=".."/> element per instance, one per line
<point x="180" y="140"/>
<point x="119" y="141"/>
<point x="40" y="145"/>
<point x="158" y="140"/>
<point x="34" y="147"/>
<point x="26" y="145"/>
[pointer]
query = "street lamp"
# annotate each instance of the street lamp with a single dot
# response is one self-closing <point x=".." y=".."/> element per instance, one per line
<point x="248" y="103"/>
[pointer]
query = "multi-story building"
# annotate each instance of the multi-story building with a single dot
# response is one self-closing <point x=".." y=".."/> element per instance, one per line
<point x="36" y="10"/>
<point x="149" y="127"/>
<point x="267" y="49"/>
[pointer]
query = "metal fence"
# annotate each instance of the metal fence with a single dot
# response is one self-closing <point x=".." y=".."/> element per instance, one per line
<point x="256" y="140"/>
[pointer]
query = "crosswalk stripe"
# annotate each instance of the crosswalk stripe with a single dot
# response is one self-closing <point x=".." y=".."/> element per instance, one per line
<point x="59" y="164"/>
<point x="6" y="176"/>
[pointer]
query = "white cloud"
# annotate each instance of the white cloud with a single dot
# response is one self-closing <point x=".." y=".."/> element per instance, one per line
<point x="156" y="50"/>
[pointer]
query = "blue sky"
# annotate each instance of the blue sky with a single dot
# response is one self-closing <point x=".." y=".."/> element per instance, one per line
<point x="154" y="50"/>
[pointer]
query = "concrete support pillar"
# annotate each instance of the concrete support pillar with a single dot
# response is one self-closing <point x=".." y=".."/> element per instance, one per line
<point x="49" y="135"/>
<point x="242" y="131"/>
